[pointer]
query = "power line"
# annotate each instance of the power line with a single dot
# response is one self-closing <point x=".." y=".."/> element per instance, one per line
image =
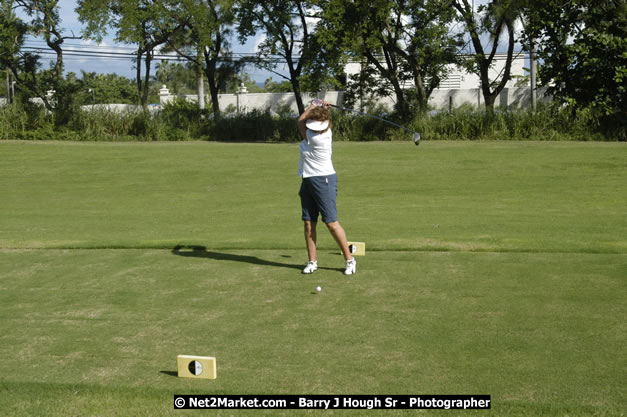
<point x="107" y="50"/>
<point x="84" y="53"/>
<point x="90" y="53"/>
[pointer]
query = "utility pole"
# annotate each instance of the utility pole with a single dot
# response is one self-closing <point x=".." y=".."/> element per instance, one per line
<point x="201" y="91"/>
<point x="201" y="81"/>
<point x="532" y="75"/>
<point x="362" y="70"/>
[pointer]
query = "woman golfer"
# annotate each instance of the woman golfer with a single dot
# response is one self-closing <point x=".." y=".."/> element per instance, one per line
<point x="319" y="187"/>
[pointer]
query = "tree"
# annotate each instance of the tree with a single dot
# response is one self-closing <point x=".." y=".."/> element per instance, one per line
<point x="288" y="27"/>
<point x="180" y="78"/>
<point x="163" y="71"/>
<point x="272" y="86"/>
<point x="12" y="34"/>
<point x="497" y="19"/>
<point x="204" y="42"/>
<point x="46" y="23"/>
<point x="145" y="23"/>
<point x="24" y="67"/>
<point x="404" y="45"/>
<point x="583" y="46"/>
<point x="236" y="83"/>
<point x="107" y="88"/>
<point x="5" y="86"/>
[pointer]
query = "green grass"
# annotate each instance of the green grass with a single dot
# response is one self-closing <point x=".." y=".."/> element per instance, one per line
<point x="492" y="268"/>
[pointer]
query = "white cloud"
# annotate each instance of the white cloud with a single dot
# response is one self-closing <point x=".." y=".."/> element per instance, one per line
<point x="257" y="42"/>
<point x="69" y="18"/>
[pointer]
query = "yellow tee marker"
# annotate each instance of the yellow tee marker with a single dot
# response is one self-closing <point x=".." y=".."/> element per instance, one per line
<point x="203" y="367"/>
<point x="357" y="248"/>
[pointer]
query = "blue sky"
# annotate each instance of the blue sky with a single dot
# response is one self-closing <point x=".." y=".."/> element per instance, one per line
<point x="125" y="67"/>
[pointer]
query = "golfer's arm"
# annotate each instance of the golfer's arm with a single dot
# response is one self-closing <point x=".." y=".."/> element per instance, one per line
<point x="302" y="120"/>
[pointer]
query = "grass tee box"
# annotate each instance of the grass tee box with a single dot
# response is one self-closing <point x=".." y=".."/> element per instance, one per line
<point x="534" y="197"/>
<point x="493" y="268"/>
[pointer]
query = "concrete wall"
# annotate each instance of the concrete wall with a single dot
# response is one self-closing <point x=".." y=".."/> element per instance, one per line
<point x="274" y="101"/>
<point x="459" y="78"/>
<point x="119" y="108"/>
<point x="513" y="98"/>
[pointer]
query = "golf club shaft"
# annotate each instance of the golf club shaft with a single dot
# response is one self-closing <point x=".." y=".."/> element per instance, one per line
<point x="373" y="116"/>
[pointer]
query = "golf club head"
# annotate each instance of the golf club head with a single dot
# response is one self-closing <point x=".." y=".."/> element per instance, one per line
<point x="417" y="138"/>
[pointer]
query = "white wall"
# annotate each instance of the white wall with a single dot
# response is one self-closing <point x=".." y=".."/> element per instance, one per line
<point x="460" y="78"/>
<point x="460" y="87"/>
<point x="515" y="98"/>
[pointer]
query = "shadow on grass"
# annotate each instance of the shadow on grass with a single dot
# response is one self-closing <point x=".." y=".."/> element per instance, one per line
<point x="171" y="373"/>
<point x="198" y="251"/>
<point x="202" y="252"/>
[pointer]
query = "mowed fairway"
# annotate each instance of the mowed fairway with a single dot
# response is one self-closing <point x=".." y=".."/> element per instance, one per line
<point x="493" y="268"/>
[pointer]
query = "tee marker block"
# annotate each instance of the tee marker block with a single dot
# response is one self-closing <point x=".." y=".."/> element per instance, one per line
<point x="203" y="367"/>
<point x="357" y="248"/>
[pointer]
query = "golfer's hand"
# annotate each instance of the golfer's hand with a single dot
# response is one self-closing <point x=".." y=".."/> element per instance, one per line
<point x="319" y="102"/>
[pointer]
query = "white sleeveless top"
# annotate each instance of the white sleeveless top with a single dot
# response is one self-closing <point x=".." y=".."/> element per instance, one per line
<point x="315" y="154"/>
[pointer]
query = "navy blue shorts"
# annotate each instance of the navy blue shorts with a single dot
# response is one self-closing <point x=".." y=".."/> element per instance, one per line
<point x="317" y="196"/>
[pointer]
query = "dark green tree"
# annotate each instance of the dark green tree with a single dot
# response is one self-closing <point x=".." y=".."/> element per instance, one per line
<point x="180" y="78"/>
<point x="272" y="86"/>
<point x="107" y="88"/>
<point x="205" y="43"/>
<point x="404" y="46"/>
<point x="41" y="20"/>
<point x="496" y="19"/>
<point x="13" y="31"/>
<point x="288" y="27"/>
<point x="145" y="23"/>
<point x="583" y="48"/>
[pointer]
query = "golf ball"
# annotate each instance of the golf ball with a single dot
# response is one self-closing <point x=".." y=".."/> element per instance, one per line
<point x="318" y="289"/>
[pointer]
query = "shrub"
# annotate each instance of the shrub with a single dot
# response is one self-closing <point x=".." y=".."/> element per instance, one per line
<point x="549" y="122"/>
<point x="181" y="120"/>
<point x="350" y="126"/>
<point x="254" y="126"/>
<point x="25" y="120"/>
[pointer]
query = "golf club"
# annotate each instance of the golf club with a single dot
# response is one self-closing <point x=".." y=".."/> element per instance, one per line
<point x="416" y="136"/>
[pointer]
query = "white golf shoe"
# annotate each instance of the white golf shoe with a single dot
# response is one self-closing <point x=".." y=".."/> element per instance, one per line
<point x="351" y="267"/>
<point x="311" y="267"/>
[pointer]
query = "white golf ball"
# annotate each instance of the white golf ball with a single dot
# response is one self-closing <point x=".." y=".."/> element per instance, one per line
<point x="318" y="289"/>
